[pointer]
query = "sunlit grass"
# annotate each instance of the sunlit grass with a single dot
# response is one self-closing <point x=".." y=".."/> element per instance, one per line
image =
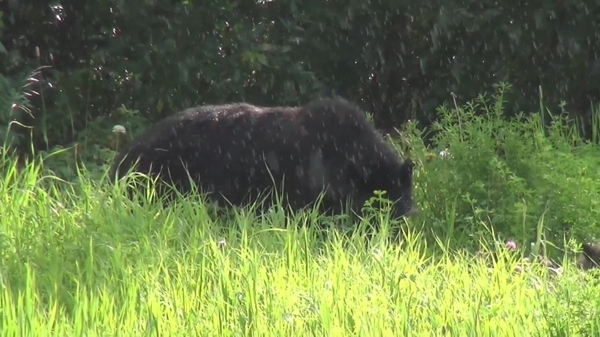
<point x="90" y="262"/>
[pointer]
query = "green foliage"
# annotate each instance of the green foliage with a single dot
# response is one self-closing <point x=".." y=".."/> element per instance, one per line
<point x="14" y="104"/>
<point x="507" y="174"/>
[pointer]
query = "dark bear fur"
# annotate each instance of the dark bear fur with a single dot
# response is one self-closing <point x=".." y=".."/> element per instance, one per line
<point x="237" y="151"/>
<point x="590" y="257"/>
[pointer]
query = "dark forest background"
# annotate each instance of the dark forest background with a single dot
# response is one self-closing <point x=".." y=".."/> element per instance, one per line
<point x="73" y="69"/>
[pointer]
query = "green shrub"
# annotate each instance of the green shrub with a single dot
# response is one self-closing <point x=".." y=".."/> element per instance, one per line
<point x="507" y="174"/>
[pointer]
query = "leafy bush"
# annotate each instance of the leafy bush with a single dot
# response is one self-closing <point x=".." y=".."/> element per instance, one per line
<point x="507" y="174"/>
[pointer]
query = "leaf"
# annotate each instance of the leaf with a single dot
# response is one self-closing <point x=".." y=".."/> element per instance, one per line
<point x="262" y="59"/>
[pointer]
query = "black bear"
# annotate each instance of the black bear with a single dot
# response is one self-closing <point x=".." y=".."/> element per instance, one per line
<point x="236" y="152"/>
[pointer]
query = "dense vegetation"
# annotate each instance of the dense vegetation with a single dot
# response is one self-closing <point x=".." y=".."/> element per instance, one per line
<point x="513" y="163"/>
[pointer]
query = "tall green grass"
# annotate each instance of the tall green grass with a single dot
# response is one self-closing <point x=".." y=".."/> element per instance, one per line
<point x="92" y="263"/>
<point x="78" y="258"/>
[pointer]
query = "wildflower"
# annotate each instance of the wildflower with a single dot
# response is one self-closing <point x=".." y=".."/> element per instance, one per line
<point x="222" y="244"/>
<point x="119" y="129"/>
<point x="511" y="245"/>
<point x="446" y="154"/>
